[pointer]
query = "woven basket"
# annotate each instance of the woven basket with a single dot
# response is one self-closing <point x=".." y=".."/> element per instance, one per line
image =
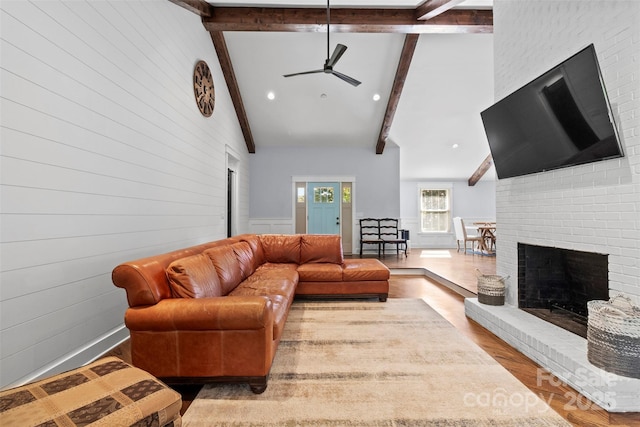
<point x="613" y="336"/>
<point x="490" y="288"/>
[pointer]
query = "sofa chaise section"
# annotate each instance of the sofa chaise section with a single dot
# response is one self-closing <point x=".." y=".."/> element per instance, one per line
<point x="216" y="311"/>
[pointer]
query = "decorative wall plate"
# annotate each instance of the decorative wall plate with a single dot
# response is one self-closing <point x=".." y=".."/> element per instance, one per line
<point x="203" y="88"/>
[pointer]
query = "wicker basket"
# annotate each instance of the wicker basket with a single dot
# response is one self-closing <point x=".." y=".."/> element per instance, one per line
<point x="490" y="288"/>
<point x="613" y="336"/>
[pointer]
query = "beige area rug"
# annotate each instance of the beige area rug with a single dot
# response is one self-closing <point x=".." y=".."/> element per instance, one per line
<point x="366" y="363"/>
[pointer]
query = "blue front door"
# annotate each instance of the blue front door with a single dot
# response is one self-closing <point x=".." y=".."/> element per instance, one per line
<point x="323" y="207"/>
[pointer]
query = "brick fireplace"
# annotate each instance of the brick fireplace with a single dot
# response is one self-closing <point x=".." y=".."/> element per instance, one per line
<point x="589" y="208"/>
<point x="555" y="284"/>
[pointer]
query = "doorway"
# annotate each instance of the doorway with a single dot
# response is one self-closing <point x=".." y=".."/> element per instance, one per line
<point x="233" y="165"/>
<point x="324" y="205"/>
<point x="323" y="208"/>
<point x="230" y="200"/>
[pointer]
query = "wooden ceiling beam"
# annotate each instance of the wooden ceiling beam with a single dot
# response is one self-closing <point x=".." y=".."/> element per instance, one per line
<point x="432" y="8"/>
<point x="482" y="169"/>
<point x="220" y="45"/>
<point x="432" y="17"/>
<point x="347" y="20"/>
<point x="409" y="47"/>
<point x="199" y="7"/>
<point x="204" y="10"/>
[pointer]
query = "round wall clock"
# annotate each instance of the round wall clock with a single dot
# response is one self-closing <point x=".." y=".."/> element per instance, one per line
<point x="203" y="88"/>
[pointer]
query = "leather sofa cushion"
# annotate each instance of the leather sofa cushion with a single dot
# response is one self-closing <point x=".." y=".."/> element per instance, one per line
<point x="279" y="305"/>
<point x="145" y="279"/>
<point x="285" y="273"/>
<point x="244" y="254"/>
<point x="364" y="269"/>
<point x="281" y="248"/>
<point x="320" y="272"/>
<point x="227" y="266"/>
<point x="265" y="288"/>
<point x="280" y="292"/>
<point x="194" y="276"/>
<point x="256" y="247"/>
<point x="270" y="266"/>
<point x="320" y="248"/>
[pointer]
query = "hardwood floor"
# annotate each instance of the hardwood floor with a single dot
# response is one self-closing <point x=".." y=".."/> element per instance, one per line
<point x="456" y="269"/>
<point x="460" y="269"/>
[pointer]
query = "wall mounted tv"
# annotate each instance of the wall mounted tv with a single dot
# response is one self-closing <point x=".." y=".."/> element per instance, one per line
<point x="560" y="119"/>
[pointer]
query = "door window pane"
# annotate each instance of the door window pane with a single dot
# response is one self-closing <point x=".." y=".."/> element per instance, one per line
<point x="346" y="194"/>
<point x="323" y="194"/>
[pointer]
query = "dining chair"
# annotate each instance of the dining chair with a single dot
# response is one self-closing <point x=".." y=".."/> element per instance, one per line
<point x="462" y="236"/>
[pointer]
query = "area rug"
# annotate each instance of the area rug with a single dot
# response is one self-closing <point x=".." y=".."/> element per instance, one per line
<point x="367" y="363"/>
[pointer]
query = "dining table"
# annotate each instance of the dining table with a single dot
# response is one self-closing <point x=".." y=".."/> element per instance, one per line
<point x="487" y="232"/>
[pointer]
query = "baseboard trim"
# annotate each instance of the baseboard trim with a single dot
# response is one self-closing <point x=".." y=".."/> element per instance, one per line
<point x="80" y="357"/>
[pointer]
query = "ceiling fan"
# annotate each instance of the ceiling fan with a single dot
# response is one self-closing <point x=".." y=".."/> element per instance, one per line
<point x="330" y="61"/>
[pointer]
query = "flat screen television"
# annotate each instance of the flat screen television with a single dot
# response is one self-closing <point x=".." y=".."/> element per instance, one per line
<point x="560" y="119"/>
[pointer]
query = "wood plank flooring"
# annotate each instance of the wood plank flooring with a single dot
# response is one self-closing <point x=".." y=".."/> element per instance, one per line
<point x="461" y="270"/>
<point x="446" y="266"/>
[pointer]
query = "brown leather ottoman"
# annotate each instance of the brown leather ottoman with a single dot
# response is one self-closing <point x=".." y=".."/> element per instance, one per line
<point x="108" y="392"/>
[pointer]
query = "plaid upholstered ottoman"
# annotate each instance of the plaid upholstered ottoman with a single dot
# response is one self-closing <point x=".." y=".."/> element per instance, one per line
<point x="108" y="392"/>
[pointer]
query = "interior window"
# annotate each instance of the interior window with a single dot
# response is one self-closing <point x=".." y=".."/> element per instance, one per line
<point x="435" y="211"/>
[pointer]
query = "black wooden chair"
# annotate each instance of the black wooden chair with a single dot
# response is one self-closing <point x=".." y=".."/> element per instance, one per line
<point x="383" y="231"/>
<point x="390" y="234"/>
<point x="370" y="233"/>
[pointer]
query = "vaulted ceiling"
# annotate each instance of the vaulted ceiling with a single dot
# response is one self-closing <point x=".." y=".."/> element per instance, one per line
<point x="430" y="62"/>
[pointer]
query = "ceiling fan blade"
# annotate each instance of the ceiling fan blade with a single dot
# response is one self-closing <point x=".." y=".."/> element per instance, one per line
<point x="304" y="72"/>
<point x="337" y="53"/>
<point x="346" y="78"/>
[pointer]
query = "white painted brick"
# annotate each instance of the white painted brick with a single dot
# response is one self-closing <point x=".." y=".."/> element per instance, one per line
<point x="592" y="207"/>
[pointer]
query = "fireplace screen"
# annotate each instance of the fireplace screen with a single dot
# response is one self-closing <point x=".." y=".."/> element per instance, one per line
<point x="555" y="284"/>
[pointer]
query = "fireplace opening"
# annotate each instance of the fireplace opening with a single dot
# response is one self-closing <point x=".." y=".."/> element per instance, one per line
<point x="555" y="284"/>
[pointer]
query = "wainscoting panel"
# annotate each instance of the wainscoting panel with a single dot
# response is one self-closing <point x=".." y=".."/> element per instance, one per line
<point x="271" y="226"/>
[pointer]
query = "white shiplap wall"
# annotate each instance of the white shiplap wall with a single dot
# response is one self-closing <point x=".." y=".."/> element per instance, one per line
<point x="593" y="207"/>
<point x="104" y="158"/>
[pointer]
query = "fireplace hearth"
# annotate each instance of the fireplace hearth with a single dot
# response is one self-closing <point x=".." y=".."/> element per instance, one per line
<point x="555" y="284"/>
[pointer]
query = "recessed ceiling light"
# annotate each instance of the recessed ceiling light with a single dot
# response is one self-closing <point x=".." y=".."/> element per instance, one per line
<point x="323" y="95"/>
<point x="271" y="96"/>
<point x="376" y="97"/>
<point x="454" y="146"/>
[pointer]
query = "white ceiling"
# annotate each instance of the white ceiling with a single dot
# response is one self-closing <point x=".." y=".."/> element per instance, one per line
<point x="449" y="82"/>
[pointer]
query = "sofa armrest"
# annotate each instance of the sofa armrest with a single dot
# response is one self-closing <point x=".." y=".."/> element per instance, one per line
<point x="202" y="314"/>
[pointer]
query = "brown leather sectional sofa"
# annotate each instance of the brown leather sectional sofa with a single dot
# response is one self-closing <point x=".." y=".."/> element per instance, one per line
<point x="216" y="311"/>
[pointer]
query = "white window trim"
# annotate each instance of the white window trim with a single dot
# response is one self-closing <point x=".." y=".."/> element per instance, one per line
<point x="435" y="185"/>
